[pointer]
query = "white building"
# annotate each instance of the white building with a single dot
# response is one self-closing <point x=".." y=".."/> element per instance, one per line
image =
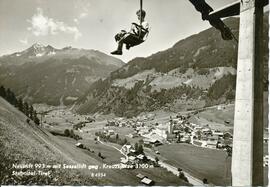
<point x="161" y="132"/>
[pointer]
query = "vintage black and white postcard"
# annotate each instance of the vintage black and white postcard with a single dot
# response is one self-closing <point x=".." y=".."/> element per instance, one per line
<point x="134" y="92"/>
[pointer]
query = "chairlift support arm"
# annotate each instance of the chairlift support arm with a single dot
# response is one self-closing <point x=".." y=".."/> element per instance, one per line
<point x="232" y="9"/>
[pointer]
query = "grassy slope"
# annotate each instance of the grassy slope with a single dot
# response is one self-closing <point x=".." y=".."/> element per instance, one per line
<point x="21" y="142"/>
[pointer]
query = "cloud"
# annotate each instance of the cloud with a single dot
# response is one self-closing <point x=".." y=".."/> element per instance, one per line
<point x="82" y="7"/>
<point x="83" y="15"/>
<point x="24" y="41"/>
<point x="76" y="20"/>
<point x="80" y="17"/>
<point x="42" y="25"/>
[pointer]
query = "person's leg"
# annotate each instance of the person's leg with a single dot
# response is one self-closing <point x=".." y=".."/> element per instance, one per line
<point x="203" y="7"/>
<point x="120" y="35"/>
<point x="219" y="25"/>
<point x="118" y="51"/>
<point x="120" y="45"/>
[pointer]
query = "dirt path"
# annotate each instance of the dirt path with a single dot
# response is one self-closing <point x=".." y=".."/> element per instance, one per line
<point x="113" y="147"/>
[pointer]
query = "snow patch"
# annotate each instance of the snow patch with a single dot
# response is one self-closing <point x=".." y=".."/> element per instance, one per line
<point x="39" y="54"/>
<point x="74" y="80"/>
<point x="38" y="46"/>
<point x="182" y="57"/>
<point x="71" y="98"/>
<point x="91" y="79"/>
<point x="199" y="50"/>
<point x="51" y="53"/>
<point x="188" y="81"/>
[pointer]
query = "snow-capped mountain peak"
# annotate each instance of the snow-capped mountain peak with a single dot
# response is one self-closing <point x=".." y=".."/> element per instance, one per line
<point x="38" y="50"/>
<point x="39" y="53"/>
<point x="38" y="46"/>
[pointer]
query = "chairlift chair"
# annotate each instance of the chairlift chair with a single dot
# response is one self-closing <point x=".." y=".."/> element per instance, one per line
<point x="132" y="40"/>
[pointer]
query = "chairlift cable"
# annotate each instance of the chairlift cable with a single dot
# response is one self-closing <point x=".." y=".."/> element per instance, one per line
<point x="141" y="8"/>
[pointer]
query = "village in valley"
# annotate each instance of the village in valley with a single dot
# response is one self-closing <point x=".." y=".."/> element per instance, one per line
<point x="177" y="130"/>
<point x="152" y="140"/>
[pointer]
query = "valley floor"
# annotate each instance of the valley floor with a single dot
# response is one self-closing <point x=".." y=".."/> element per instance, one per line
<point x="196" y="162"/>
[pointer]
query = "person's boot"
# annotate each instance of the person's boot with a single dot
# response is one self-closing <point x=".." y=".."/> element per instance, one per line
<point x="119" y="50"/>
<point x="116" y="52"/>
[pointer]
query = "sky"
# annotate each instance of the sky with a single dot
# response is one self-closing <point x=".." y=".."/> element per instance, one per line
<point x="92" y="24"/>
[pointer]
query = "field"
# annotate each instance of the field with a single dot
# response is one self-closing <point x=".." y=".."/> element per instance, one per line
<point x="215" y="118"/>
<point x="219" y="116"/>
<point x="200" y="162"/>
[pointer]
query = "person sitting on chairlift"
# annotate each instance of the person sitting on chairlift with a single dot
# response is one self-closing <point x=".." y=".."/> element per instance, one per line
<point x="135" y="36"/>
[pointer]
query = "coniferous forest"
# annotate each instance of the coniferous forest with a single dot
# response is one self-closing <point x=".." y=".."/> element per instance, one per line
<point x="23" y="106"/>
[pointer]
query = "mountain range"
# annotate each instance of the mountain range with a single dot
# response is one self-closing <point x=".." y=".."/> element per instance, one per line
<point x="196" y="72"/>
<point x="44" y="74"/>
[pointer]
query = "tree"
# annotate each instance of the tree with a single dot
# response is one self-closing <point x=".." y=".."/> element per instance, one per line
<point x="3" y="92"/>
<point x="20" y="105"/>
<point x="71" y="133"/>
<point x="178" y="139"/>
<point x="205" y="181"/>
<point x="36" y="120"/>
<point x="8" y="95"/>
<point x="156" y="159"/>
<point x="31" y="112"/>
<point x="26" y="109"/>
<point x="182" y="175"/>
<point x="140" y="149"/>
<point x="125" y="141"/>
<point x="13" y="99"/>
<point x="229" y="151"/>
<point x="136" y="146"/>
<point x="67" y="133"/>
<point x="186" y="129"/>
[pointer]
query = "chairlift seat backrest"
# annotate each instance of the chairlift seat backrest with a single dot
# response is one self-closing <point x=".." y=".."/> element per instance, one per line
<point x="136" y="39"/>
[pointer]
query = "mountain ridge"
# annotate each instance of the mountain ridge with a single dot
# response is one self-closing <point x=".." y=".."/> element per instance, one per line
<point x="43" y="74"/>
<point x="38" y="51"/>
